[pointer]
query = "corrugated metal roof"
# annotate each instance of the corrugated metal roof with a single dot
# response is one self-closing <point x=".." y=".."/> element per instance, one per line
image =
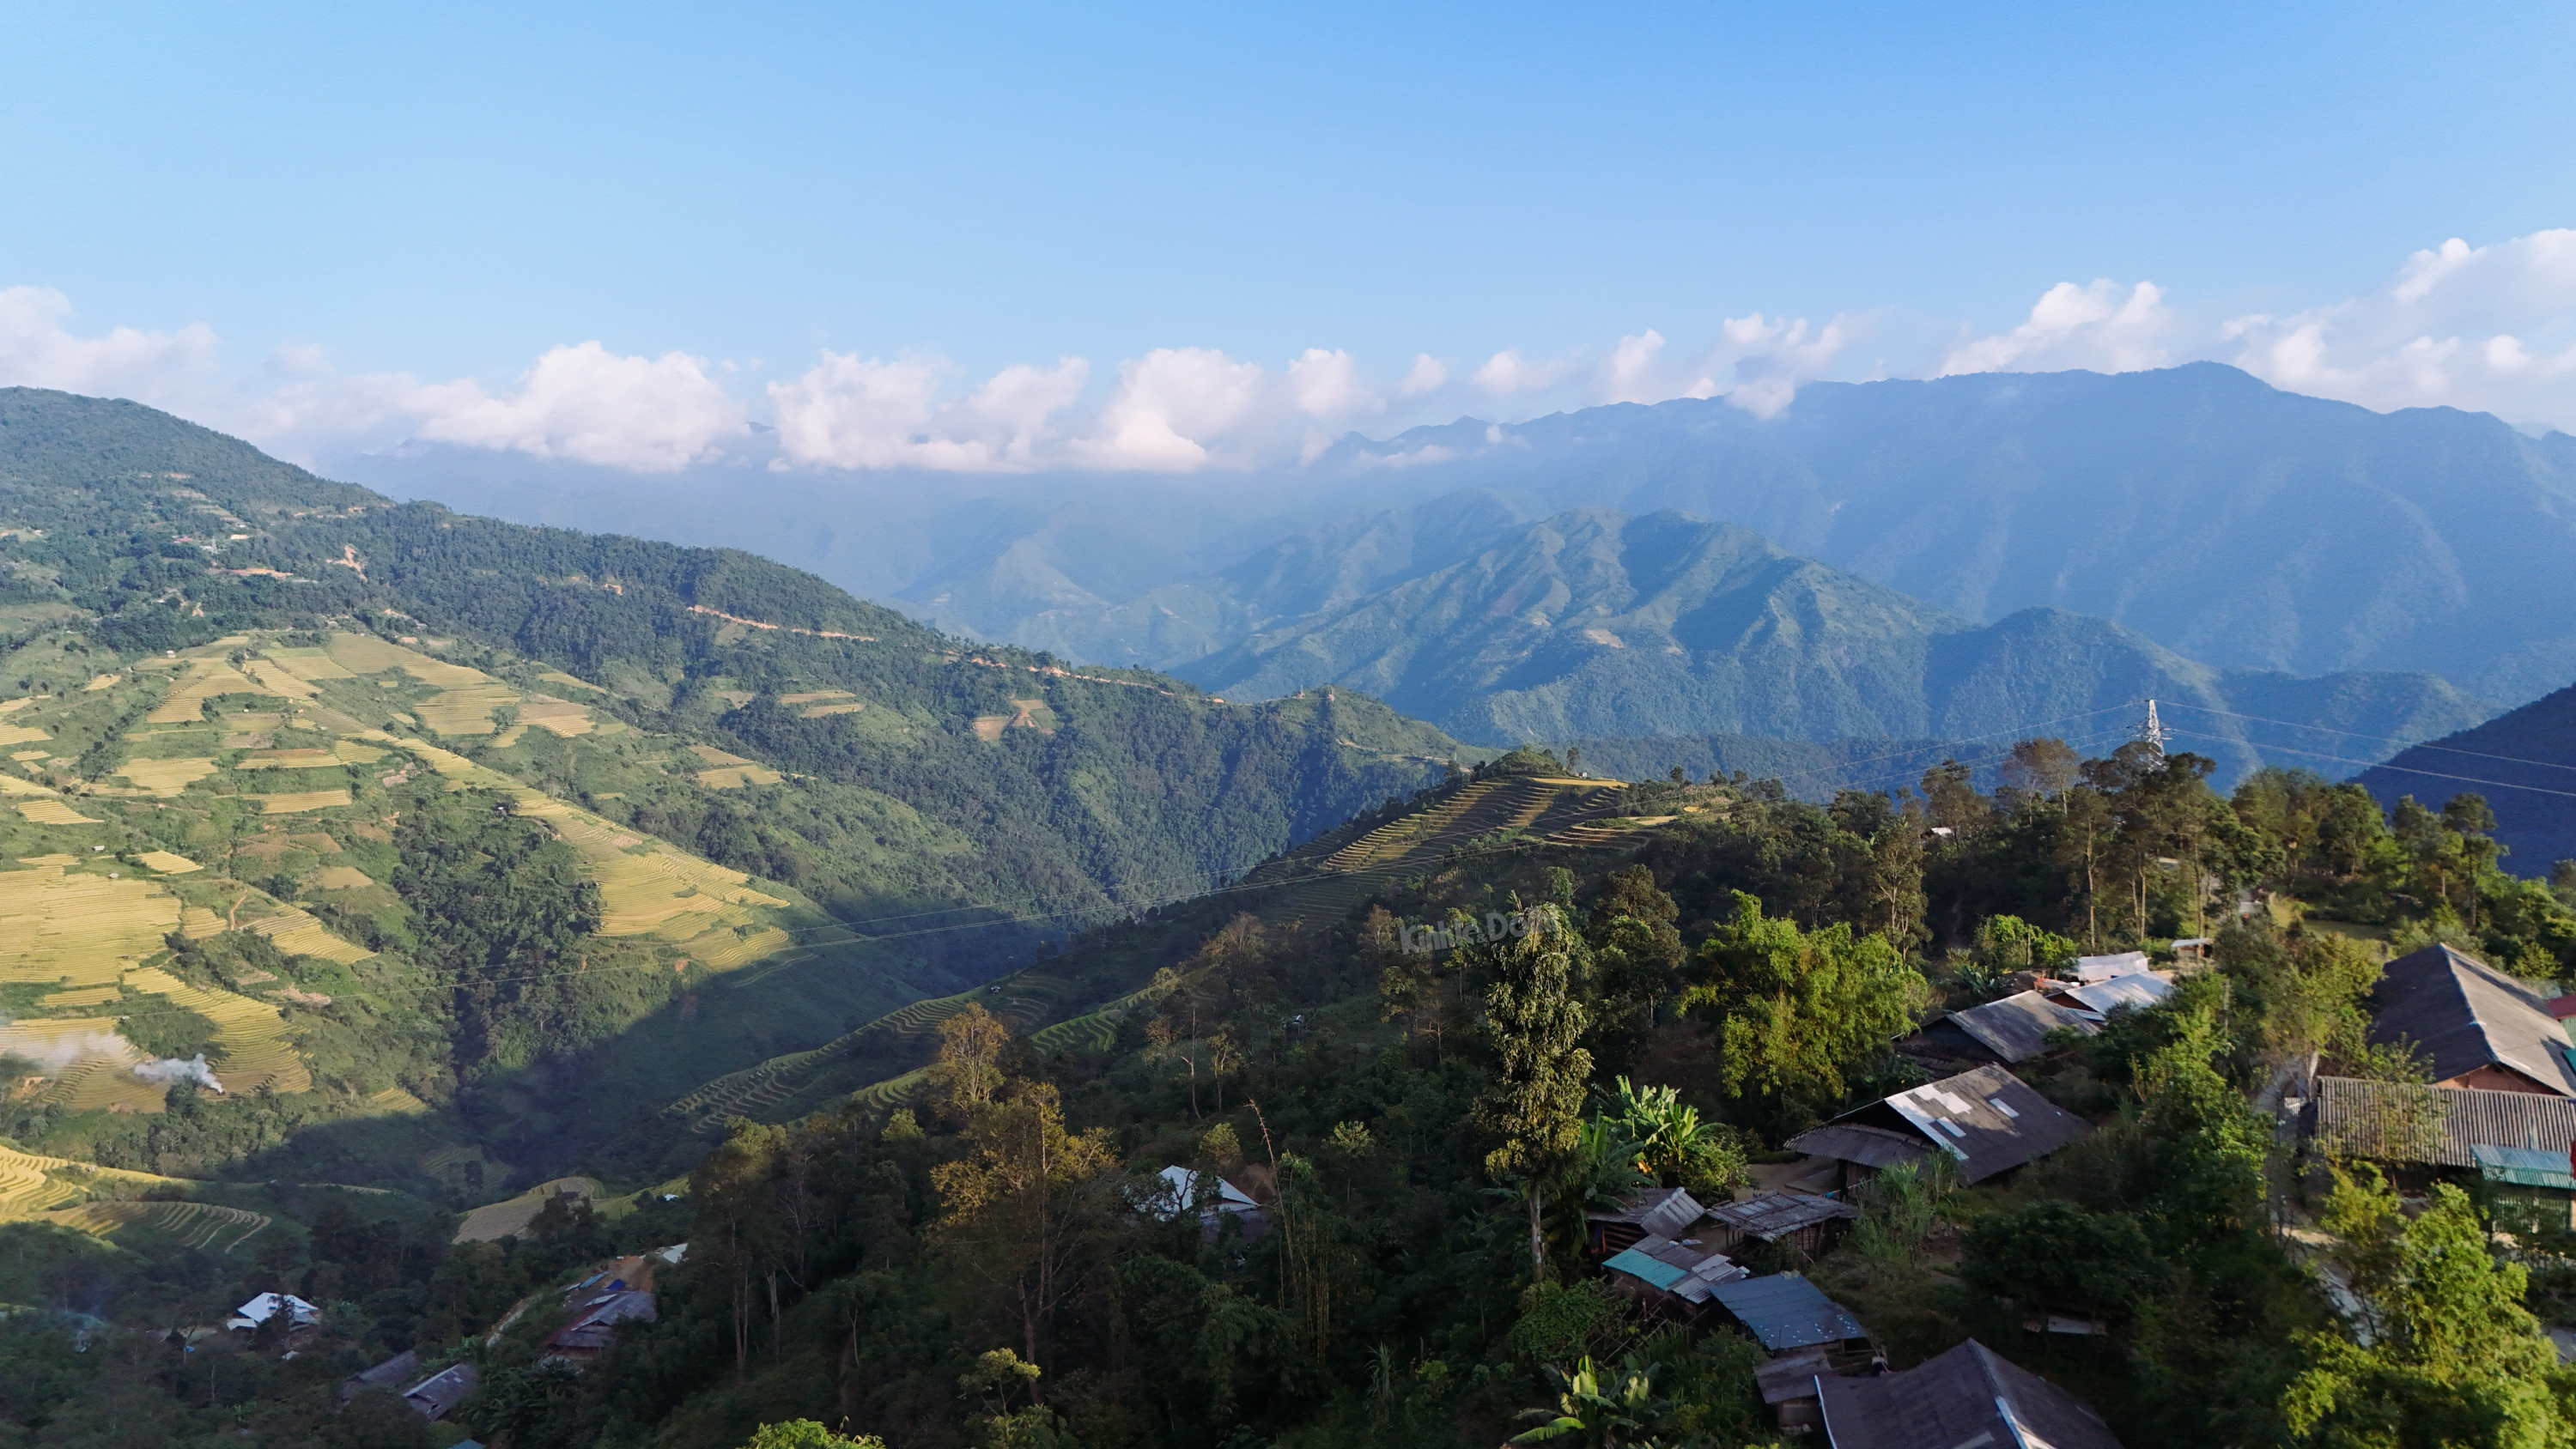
<point x="2393" y="1122"/>
<point x="1639" y="1265"/>
<point x="2139" y="989"/>
<point x="2017" y="1027"/>
<point x="1988" y="1119"/>
<point x="2523" y="1166"/>
<point x="1683" y="1268"/>
<point x="1663" y="1210"/>
<point x="2103" y="968"/>
<point x="1770" y="1215"/>
<point x="1784" y="1310"/>
<point x="1968" y="1398"/>
<point x="2461" y="1014"/>
<point x="1854" y="1142"/>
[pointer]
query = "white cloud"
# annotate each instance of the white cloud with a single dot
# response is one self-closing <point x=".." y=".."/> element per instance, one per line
<point x="1429" y="375"/>
<point x="2102" y="327"/>
<point x="1770" y="358"/>
<point x="1170" y="406"/>
<point x="652" y="415"/>
<point x="1628" y="374"/>
<point x="1507" y="372"/>
<point x="2492" y="329"/>
<point x="848" y="412"/>
<point x="36" y="350"/>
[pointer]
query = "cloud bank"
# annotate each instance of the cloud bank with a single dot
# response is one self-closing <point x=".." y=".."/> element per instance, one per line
<point x="2488" y="328"/>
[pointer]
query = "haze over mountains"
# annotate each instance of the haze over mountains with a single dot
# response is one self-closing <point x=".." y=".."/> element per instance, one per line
<point x="1979" y="553"/>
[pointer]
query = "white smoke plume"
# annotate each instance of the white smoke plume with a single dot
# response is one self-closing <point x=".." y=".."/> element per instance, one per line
<point x="53" y="1055"/>
<point x="169" y="1071"/>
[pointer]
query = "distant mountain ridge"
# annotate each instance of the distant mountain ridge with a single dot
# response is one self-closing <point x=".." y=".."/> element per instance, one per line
<point x="1596" y="624"/>
<point x="2523" y="762"/>
<point x="2225" y="519"/>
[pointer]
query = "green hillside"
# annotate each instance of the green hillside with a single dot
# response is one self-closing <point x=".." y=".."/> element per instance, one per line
<point x="334" y="747"/>
<point x="1593" y="624"/>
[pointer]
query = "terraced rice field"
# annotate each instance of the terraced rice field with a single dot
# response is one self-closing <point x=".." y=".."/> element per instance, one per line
<point x="1333" y="875"/>
<point x="818" y="711"/>
<point x="760" y="1091"/>
<point x="1095" y="1030"/>
<point x="724" y="948"/>
<point x="731" y="771"/>
<point x="466" y="710"/>
<point x="280" y="681"/>
<point x="205" y="679"/>
<point x="749" y="1092"/>
<point x="311" y="665"/>
<point x="296" y="801"/>
<point x="79" y="998"/>
<point x="288" y="760"/>
<point x="893" y="1092"/>
<point x="342" y="878"/>
<point x="367" y="654"/>
<point x="79" y="929"/>
<point x="560" y="715"/>
<point x="257" y="1049"/>
<point x="200" y="1225"/>
<point x="166" y="862"/>
<point x="397" y="1102"/>
<point x="506" y="1219"/>
<point x="12" y="785"/>
<point x="299" y="933"/>
<point x="167" y="777"/>
<point x="646" y="887"/>
<point x="55" y="812"/>
<point x="23" y="734"/>
<point x="27" y="1192"/>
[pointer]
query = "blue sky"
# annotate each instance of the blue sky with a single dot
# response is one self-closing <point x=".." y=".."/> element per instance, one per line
<point x="437" y="197"/>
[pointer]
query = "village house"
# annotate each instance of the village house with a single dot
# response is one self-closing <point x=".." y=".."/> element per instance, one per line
<point x="1988" y="1121"/>
<point x="1970" y="1395"/>
<point x="2471" y="1025"/>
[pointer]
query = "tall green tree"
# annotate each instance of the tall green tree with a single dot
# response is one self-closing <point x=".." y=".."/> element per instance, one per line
<point x="1794" y="1012"/>
<point x="1534" y="1114"/>
<point x="2454" y="1361"/>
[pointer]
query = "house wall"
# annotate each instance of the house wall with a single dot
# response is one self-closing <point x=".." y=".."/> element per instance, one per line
<point x="2495" y="1078"/>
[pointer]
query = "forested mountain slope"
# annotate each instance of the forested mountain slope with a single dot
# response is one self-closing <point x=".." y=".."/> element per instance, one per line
<point x="2523" y="762"/>
<point x="743" y="812"/>
<point x="1595" y="624"/>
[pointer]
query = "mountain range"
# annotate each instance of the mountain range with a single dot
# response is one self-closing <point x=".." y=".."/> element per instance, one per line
<point x="2228" y="521"/>
<point x="1595" y="624"/>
